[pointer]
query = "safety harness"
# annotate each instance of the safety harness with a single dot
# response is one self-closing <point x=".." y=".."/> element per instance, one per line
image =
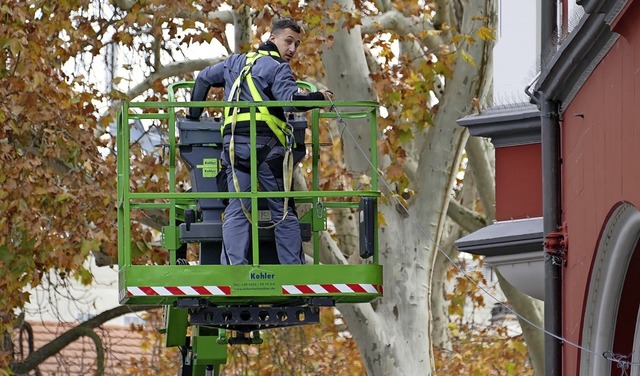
<point x="280" y="128"/>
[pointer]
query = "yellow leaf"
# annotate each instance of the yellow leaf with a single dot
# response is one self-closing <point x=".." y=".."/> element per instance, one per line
<point x="381" y="221"/>
<point x="486" y="33"/>
<point x="470" y="40"/>
<point x="468" y="58"/>
<point x="457" y="38"/>
<point x="63" y="196"/>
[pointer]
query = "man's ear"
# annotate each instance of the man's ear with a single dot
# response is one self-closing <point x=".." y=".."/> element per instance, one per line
<point x="272" y="37"/>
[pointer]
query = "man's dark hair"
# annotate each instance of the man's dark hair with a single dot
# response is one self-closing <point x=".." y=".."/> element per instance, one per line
<point x="285" y="23"/>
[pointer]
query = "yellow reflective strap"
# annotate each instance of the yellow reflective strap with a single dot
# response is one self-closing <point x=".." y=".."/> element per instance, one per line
<point x="277" y="126"/>
<point x="267" y="118"/>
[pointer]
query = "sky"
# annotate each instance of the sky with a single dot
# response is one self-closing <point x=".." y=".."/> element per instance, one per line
<point x="515" y="53"/>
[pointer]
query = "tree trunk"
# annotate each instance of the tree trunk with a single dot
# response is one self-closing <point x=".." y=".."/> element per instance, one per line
<point x="347" y="75"/>
<point x="532" y="312"/>
<point x="439" y="302"/>
<point x="242" y="28"/>
<point x="394" y="335"/>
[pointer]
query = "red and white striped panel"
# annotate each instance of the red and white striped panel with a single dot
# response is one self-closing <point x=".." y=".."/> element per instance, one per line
<point x="333" y="288"/>
<point x="178" y="290"/>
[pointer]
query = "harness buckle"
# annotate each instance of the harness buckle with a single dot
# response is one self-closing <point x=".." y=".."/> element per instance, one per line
<point x="289" y="137"/>
<point x="290" y="142"/>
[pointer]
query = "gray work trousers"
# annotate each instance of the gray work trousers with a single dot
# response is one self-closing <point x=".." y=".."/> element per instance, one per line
<point x="236" y="229"/>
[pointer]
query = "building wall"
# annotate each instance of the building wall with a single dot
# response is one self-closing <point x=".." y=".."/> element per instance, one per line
<point x="600" y="154"/>
<point x="518" y="182"/>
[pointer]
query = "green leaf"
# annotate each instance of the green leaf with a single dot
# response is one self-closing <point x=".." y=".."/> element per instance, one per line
<point x="87" y="246"/>
<point x="5" y="255"/>
<point x="405" y="135"/>
<point x="84" y="276"/>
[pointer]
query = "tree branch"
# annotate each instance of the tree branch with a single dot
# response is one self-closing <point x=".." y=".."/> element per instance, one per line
<point x="225" y="16"/>
<point x="85" y="329"/>
<point x="170" y="70"/>
<point x="330" y="252"/>
<point x="439" y="302"/>
<point x="157" y="51"/>
<point x="465" y="217"/>
<point x="393" y="20"/>
<point x="383" y="5"/>
<point x="480" y="164"/>
<point x="88" y="332"/>
<point x="125" y="4"/>
<point x="530" y="316"/>
<point x="242" y="29"/>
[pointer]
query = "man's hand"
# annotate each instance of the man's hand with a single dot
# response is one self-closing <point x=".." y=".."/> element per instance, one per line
<point x="328" y="95"/>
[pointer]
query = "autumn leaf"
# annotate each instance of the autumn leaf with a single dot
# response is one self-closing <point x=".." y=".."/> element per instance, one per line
<point x="381" y="220"/>
<point x="486" y="33"/>
<point x="394" y="172"/>
<point x="467" y="58"/>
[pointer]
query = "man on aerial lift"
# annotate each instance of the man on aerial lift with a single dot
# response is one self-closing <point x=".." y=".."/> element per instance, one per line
<point x="258" y="76"/>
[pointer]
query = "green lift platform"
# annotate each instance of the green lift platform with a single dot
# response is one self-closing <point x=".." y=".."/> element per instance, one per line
<point x="209" y="306"/>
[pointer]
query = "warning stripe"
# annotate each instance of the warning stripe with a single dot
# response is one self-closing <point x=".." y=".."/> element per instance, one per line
<point x="337" y="288"/>
<point x="177" y="290"/>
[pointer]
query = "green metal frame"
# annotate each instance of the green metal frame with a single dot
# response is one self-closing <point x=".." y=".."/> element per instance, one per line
<point x="241" y="284"/>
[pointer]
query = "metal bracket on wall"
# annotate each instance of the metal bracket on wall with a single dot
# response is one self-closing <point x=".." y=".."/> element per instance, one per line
<point x="556" y="245"/>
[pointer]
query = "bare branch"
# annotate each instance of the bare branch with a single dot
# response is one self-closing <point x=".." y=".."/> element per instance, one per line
<point x="393" y="20"/>
<point x="125" y="4"/>
<point x="330" y="253"/>
<point x="480" y="163"/>
<point x="442" y="13"/>
<point x="465" y="217"/>
<point x="85" y="329"/>
<point x="530" y="316"/>
<point x="157" y="51"/>
<point x="383" y="5"/>
<point x="170" y="70"/>
<point x="225" y="16"/>
<point x="439" y="303"/>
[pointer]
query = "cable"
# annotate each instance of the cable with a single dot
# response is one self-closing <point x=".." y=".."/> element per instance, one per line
<point x="620" y="360"/>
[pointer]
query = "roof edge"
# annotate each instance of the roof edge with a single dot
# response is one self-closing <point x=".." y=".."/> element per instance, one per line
<point x="519" y="125"/>
<point x="581" y="52"/>
<point x="504" y="238"/>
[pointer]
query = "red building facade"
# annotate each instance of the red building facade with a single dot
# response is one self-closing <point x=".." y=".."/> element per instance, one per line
<point x="600" y="195"/>
<point x="589" y="93"/>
